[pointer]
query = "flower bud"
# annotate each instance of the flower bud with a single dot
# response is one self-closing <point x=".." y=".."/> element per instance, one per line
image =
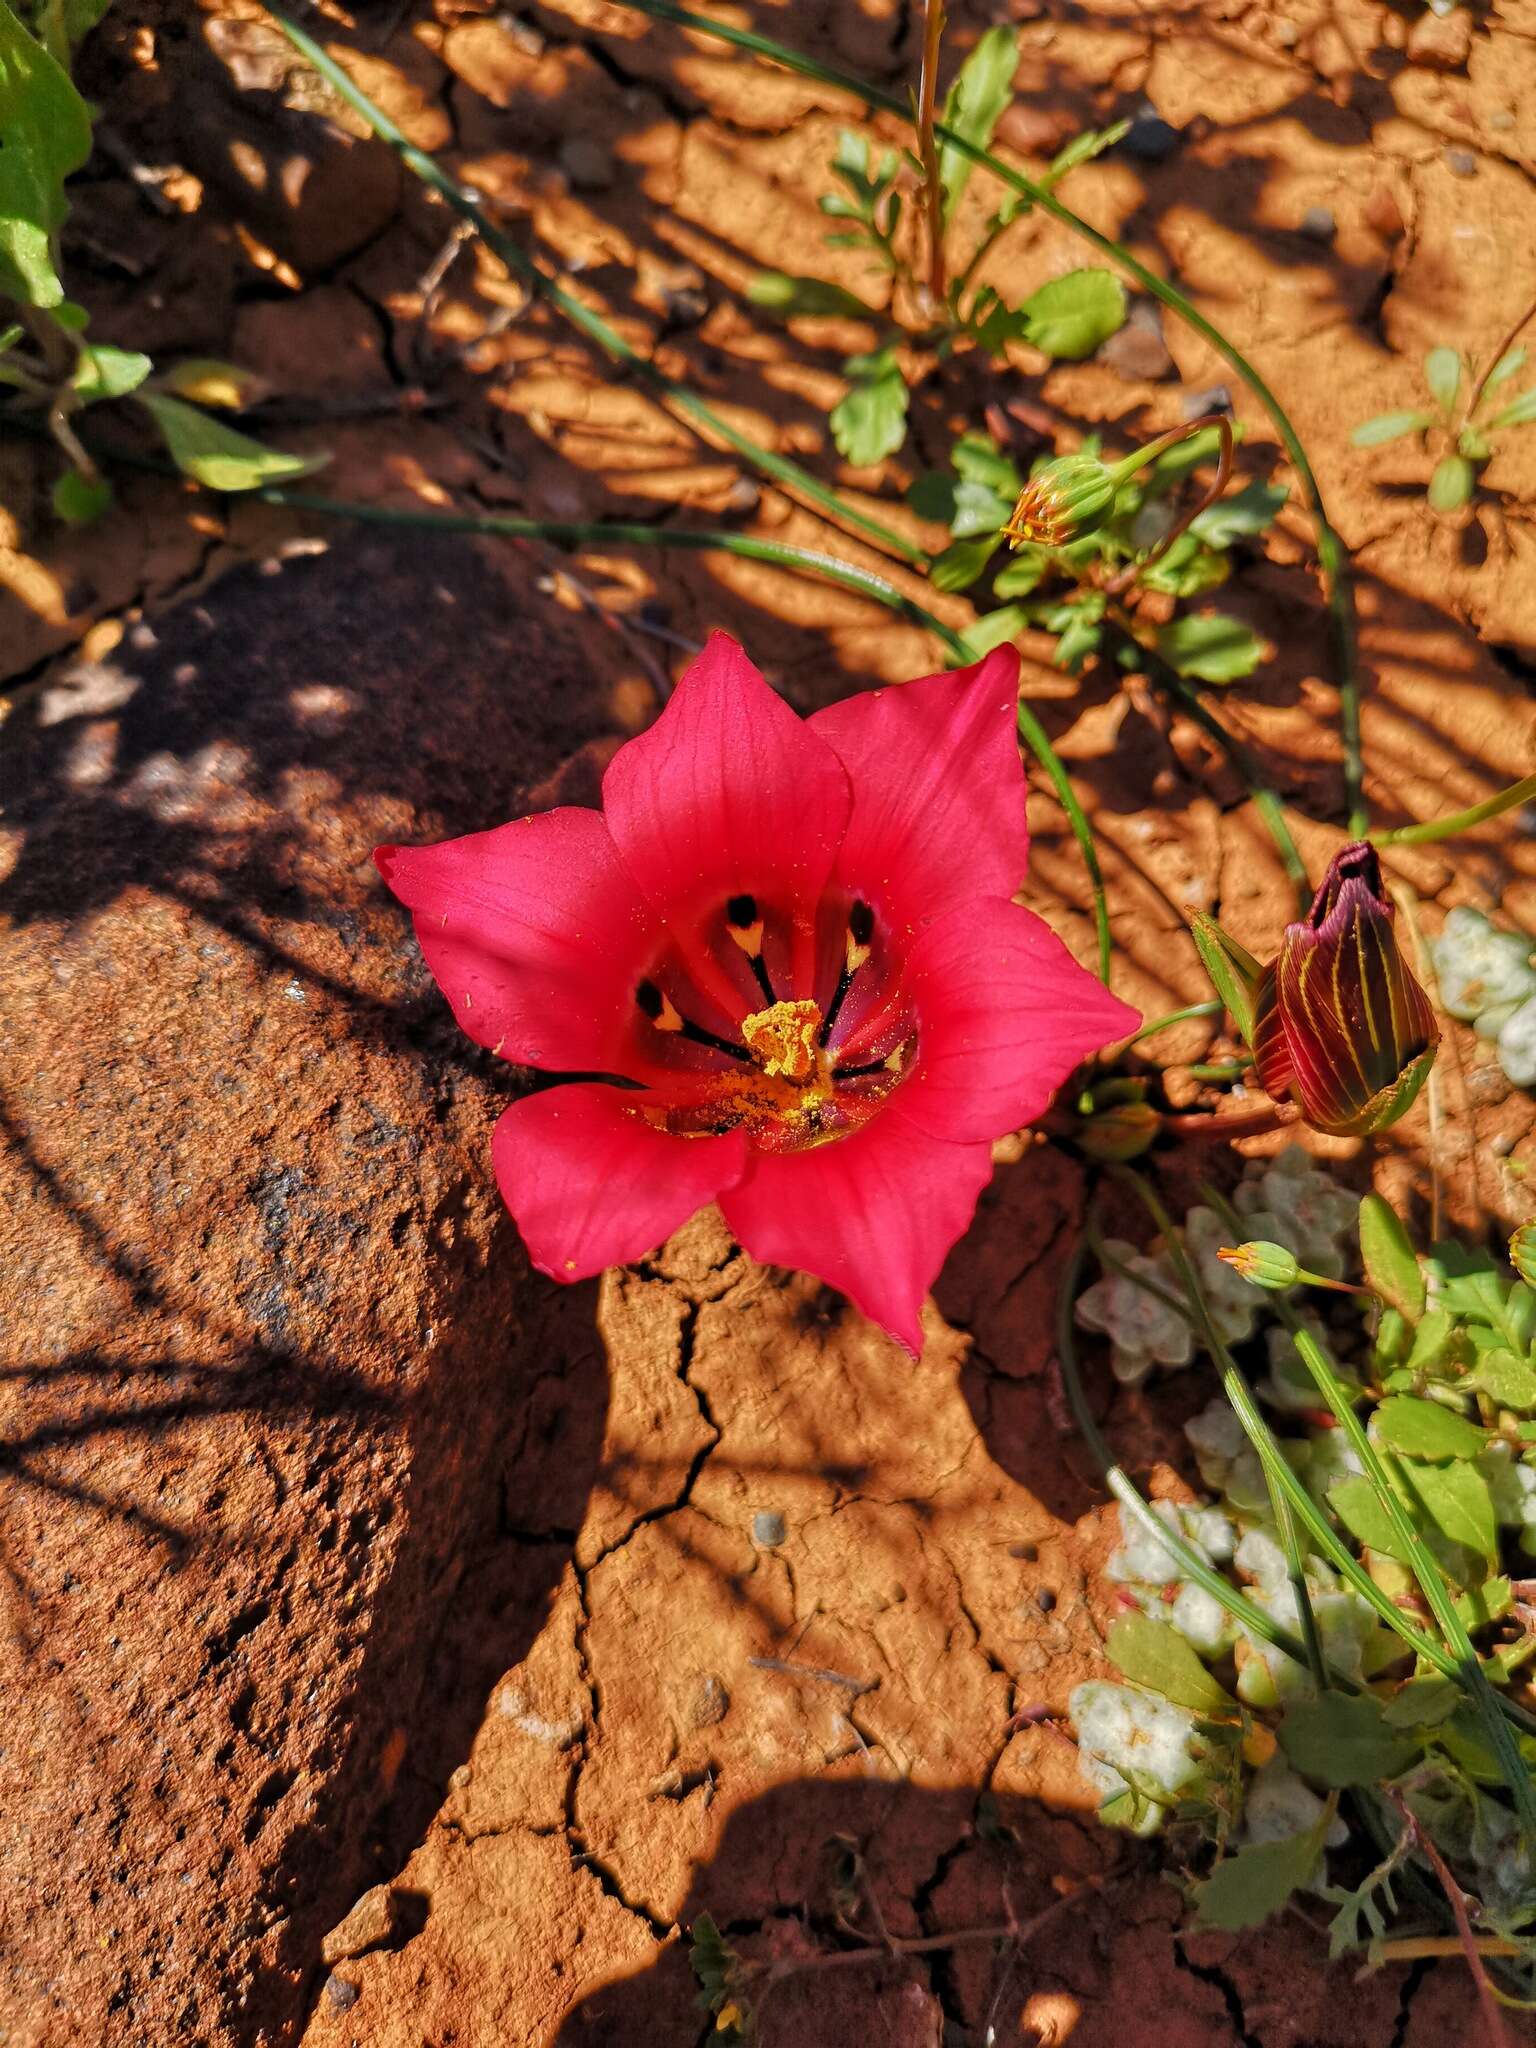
<point x="1064" y="500"/>
<point x="1265" y="1264"/>
<point x="1522" y="1253"/>
<point x="1124" y="1130"/>
<point x="1341" y="1027"/>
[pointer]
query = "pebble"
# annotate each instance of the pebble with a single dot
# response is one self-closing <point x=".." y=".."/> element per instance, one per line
<point x="1138" y="350"/>
<point x="1217" y="398"/>
<point x="1286" y="33"/>
<point x="1150" y="139"/>
<point x="1461" y="163"/>
<point x="588" y="164"/>
<point x="768" y="1530"/>
<point x="1318" y="224"/>
<point x="686" y="305"/>
<point x="710" y="1702"/>
<point x="342" y="1992"/>
<point x="1501" y="119"/>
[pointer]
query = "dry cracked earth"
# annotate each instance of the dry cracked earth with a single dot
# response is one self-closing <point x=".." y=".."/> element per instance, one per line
<point x="398" y="1650"/>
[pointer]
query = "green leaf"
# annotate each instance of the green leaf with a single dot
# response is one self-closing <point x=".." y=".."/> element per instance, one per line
<point x="1482" y="1604"/>
<point x="1069" y="317"/>
<point x="1080" y="637"/>
<point x="1245" y="1889"/>
<point x="46" y="131"/>
<point x="1189" y="569"/>
<point x="870" y="422"/>
<point x="1176" y="462"/>
<point x="1517" y="412"/>
<point x="979" y="461"/>
<point x="1452" y="483"/>
<point x="1508" y="1381"/>
<point x="962" y="562"/>
<point x="806" y="298"/>
<point x="216" y="455"/>
<point x="1422" y="1702"/>
<point x="1474" y="444"/>
<point x="1245" y="513"/>
<point x="1233" y="971"/>
<point x="1391" y="1267"/>
<point x="1359" y="1507"/>
<point x="978" y="510"/>
<point x="78" y="501"/>
<point x="1154" y="1654"/>
<point x="1471" y="1283"/>
<point x="1021" y="574"/>
<point x="1423" y="1429"/>
<point x="205" y="380"/>
<point x="974" y="105"/>
<point x="1442" y="373"/>
<point x="1456" y="1500"/>
<point x="994" y="629"/>
<point x="1083" y="149"/>
<point x="1341" y="1739"/>
<point x="932" y="496"/>
<point x="1504" y="369"/>
<point x="74" y="318"/>
<point x="1210" y="645"/>
<point x="1390" y="426"/>
<point x="109" y="372"/>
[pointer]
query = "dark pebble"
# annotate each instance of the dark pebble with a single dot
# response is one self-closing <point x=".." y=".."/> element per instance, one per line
<point x="1195" y="407"/>
<point x="1150" y="139"/>
<point x="1461" y="163"/>
<point x="1318" y="224"/>
<point x="768" y="1529"/>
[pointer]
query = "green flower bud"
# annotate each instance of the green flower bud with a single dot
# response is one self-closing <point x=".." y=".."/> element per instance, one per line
<point x="1265" y="1264"/>
<point x="1066" y="499"/>
<point x="1123" y="1130"/>
<point x="1522" y="1253"/>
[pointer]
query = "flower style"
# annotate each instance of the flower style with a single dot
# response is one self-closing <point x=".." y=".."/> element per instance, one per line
<point x="790" y="948"/>
<point x="1340" y="1024"/>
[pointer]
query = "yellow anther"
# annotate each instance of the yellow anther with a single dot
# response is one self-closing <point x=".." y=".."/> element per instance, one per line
<point x="782" y="1039"/>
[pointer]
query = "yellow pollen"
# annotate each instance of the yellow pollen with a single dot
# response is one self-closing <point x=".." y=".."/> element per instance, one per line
<point x="782" y="1039"/>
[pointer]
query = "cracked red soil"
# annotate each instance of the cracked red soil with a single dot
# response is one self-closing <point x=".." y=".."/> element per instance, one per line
<point x="340" y="1552"/>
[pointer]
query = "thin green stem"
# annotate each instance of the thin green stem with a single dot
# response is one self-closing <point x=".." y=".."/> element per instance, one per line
<point x="790" y="475"/>
<point x="1034" y="736"/>
<point x="1210" y="1009"/>
<point x="1330" y="549"/>
<point x="1296" y="1571"/>
<point x="1461" y="821"/>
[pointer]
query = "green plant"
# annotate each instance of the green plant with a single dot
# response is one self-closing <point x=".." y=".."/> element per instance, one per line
<point x="950" y="307"/>
<point x="46" y="356"/>
<point x="1458" y="430"/>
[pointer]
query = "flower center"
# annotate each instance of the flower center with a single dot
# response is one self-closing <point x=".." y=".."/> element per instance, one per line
<point x="779" y="1074"/>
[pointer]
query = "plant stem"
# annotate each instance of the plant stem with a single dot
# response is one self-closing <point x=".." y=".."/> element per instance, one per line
<point x="929" y="1944"/>
<point x="1494" y="361"/>
<point x="927" y="148"/>
<point x="1330" y="550"/>
<point x="1296" y="1573"/>
<point x="799" y="482"/>
<point x="1461" y="821"/>
<point x="1210" y="1009"/>
<point x="1034" y="736"/>
<point x="1130" y="573"/>
<point x="1493" y="2019"/>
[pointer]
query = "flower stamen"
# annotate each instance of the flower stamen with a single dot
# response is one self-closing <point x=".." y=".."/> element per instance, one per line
<point x="744" y="922"/>
<point x="861" y="929"/>
<point x="661" y="1011"/>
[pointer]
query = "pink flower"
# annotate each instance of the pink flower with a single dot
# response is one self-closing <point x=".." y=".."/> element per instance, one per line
<point x="795" y="936"/>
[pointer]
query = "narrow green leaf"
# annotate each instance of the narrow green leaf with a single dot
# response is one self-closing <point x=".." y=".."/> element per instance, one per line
<point x="1083" y="149"/>
<point x="205" y="380"/>
<point x="1390" y="426"/>
<point x="1210" y="646"/>
<point x="1453" y="482"/>
<point x="1504" y="369"/>
<point x="1517" y="412"/>
<point x="1069" y="317"/>
<point x="994" y="629"/>
<point x="1247" y="512"/>
<point x="1423" y="1429"/>
<point x="45" y="134"/>
<point x="1246" y="1889"/>
<point x="216" y="455"/>
<point x="1233" y="971"/>
<point x="1153" y="1654"/>
<point x="805" y="298"/>
<point x="1442" y="373"/>
<point x="974" y="105"/>
<point x="1391" y="1266"/>
<point x="1341" y="1739"/>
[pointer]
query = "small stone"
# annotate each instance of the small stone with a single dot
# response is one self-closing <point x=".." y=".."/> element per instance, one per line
<point x="1442" y="41"/>
<point x="369" y="1925"/>
<point x="1461" y="163"/>
<point x="1150" y="139"/>
<point x="1286" y="33"/>
<point x="1318" y="224"/>
<point x="687" y="306"/>
<point x="710" y="1702"/>
<point x="768" y="1530"/>
<point x="1138" y="350"/>
<point x="522" y="34"/>
<point x="744" y="496"/>
<point x="342" y="1992"/>
<point x="1502" y="120"/>
<point x="1215" y="398"/>
<point x="588" y="164"/>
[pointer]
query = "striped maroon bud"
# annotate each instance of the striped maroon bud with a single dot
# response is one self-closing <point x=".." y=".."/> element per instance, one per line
<point x="1341" y="1027"/>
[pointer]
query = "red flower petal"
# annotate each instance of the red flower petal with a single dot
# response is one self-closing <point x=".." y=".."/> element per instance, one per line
<point x="534" y="932"/>
<point x="873" y="1215"/>
<point x="591" y="1184"/>
<point x="938" y="803"/>
<point x="728" y="793"/>
<point x="1004" y="1013"/>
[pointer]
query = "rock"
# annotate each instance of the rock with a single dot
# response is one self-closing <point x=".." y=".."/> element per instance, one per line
<point x="1196" y="404"/>
<point x="1461" y="163"/>
<point x="1441" y="41"/>
<point x="342" y="1992"/>
<point x="263" y="1393"/>
<point x="1318" y="224"/>
<point x="1138" y="350"/>
<point x="768" y="1530"/>
<point x="1150" y="139"/>
<point x="587" y="163"/>
<point x="370" y="1924"/>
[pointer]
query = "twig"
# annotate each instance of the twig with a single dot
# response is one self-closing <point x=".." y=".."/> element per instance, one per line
<point x="1219" y="420"/>
<point x="929" y="1944"/>
<point x="854" y="1685"/>
<point x="1493" y="2019"/>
